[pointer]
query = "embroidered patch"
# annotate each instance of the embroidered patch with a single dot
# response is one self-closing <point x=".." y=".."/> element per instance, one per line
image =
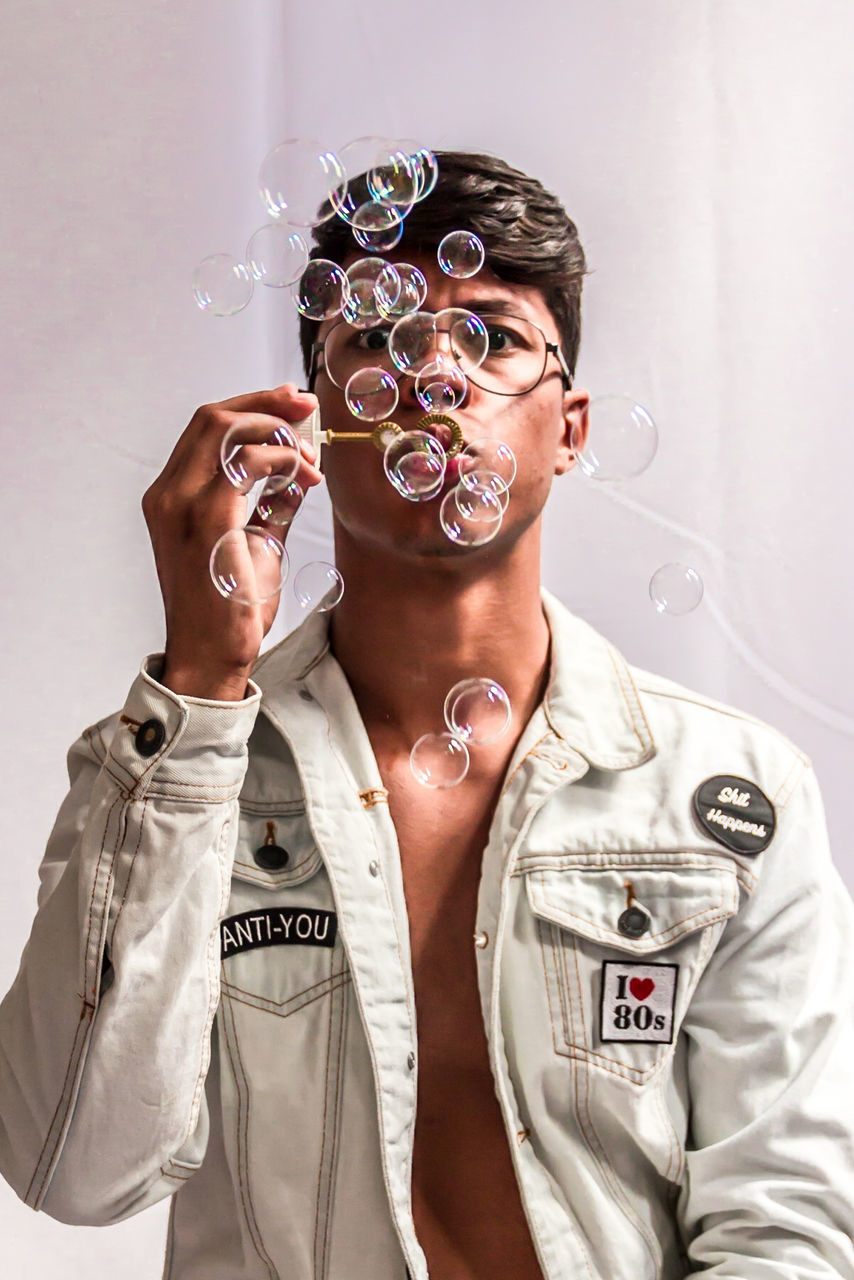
<point x="638" y="1001"/>
<point x="735" y="813"/>
<point x="278" y="927"/>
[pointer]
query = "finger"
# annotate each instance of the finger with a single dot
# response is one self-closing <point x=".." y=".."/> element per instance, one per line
<point x="285" y="403"/>
<point x="206" y="450"/>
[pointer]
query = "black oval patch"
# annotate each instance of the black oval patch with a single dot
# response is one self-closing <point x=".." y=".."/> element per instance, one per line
<point x="735" y="813"/>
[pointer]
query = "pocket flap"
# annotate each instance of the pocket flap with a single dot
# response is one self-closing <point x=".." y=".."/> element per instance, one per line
<point x="290" y="831"/>
<point x="590" y="901"/>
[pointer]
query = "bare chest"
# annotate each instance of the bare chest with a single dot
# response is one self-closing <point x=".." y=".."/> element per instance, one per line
<point x="468" y="1214"/>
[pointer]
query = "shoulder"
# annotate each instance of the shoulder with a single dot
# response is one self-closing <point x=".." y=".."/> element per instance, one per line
<point x="721" y="739"/>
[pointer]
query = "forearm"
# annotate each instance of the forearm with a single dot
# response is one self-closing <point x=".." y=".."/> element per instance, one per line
<point x="104" y="1037"/>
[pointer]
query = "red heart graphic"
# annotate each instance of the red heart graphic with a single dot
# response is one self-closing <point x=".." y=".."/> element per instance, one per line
<point x="641" y="987"/>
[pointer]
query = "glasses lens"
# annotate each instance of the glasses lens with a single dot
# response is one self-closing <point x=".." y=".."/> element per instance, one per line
<point x="348" y="350"/>
<point x="514" y="362"/>
<point x="515" y="358"/>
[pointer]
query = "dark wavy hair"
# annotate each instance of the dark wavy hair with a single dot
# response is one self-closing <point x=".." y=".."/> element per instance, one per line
<point x="528" y="236"/>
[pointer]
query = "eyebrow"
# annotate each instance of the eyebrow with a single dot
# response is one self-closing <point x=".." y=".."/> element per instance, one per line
<point x="497" y="306"/>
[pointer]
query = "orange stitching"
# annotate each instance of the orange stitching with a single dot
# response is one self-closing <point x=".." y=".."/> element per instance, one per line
<point x="336" y="1147"/>
<point x="253" y="1005"/>
<point x="323" y="1135"/>
<point x="113" y="854"/>
<point x="214" y="965"/>
<point x="87" y="1010"/>
<point x="344" y="973"/>
<point x="260" y="1247"/>
<point x="619" y="1193"/>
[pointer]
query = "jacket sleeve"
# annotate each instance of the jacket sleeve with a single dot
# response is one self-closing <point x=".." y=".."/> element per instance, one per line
<point x="105" y="1032"/>
<point x="769" y="1178"/>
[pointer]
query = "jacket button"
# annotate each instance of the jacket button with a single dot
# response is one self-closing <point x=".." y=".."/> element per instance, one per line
<point x="410" y="1062"/>
<point x="149" y="737"/>
<point x="305" y="695"/>
<point x="481" y="940"/>
<point x="271" y="857"/>
<point x="634" y="922"/>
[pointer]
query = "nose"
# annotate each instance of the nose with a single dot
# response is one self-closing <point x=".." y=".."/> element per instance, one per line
<point x="408" y="388"/>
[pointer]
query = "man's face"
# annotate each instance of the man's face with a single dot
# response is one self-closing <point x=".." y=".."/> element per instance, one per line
<point x="536" y="426"/>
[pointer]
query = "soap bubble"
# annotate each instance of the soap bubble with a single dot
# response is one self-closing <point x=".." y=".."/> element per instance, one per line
<point x="464" y="336"/>
<point x="461" y="254"/>
<point x="373" y="288"/>
<point x="477" y="710"/>
<point x="426" y="167"/>
<point x="371" y="394"/>
<point x="222" y="286"/>
<point x="474" y="501"/>
<point x="476" y="526"/>
<point x="279" y="501"/>
<point x="248" y="565"/>
<point x="413" y="290"/>
<point x="439" y="760"/>
<point x="276" y="255"/>
<point x="322" y="290"/>
<point x="472" y="481"/>
<point x="379" y="170"/>
<point x="440" y="386"/>
<point x="485" y="455"/>
<point x="377" y="228"/>
<point x="415" y="464"/>
<point x="257" y="447"/>
<point x="395" y="181"/>
<point x="318" y="587"/>
<point x="412" y="342"/>
<point x="303" y="181"/>
<point x="622" y="439"/>
<point x="675" y="589"/>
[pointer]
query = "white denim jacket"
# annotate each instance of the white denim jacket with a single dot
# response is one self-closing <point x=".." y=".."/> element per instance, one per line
<point x="669" y="1019"/>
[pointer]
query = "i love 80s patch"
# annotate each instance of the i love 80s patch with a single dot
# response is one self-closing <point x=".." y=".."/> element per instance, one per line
<point x="638" y="1001"/>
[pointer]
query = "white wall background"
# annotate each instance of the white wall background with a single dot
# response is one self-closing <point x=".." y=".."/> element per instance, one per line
<point x="704" y="150"/>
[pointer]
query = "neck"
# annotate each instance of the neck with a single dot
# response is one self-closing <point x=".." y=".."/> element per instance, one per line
<point x="407" y="630"/>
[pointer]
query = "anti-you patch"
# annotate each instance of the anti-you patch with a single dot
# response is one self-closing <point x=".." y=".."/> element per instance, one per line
<point x="735" y="813"/>
<point x="277" y="927"/>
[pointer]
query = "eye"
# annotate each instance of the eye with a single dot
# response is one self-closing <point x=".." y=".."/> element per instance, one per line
<point x="373" y="339"/>
<point x="501" y="340"/>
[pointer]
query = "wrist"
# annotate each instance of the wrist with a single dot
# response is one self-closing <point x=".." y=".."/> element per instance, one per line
<point x="213" y="686"/>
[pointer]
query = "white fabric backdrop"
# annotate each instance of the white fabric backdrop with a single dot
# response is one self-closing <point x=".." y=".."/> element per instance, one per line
<point x="704" y="151"/>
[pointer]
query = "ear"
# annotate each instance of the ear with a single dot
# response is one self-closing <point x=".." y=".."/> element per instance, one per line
<point x="576" y="404"/>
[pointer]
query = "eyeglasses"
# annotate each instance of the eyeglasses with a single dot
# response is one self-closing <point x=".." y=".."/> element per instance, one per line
<point x="515" y="363"/>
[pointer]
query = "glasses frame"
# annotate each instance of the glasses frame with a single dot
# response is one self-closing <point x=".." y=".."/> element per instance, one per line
<point x="552" y="348"/>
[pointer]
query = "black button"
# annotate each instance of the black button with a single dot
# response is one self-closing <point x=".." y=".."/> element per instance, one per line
<point x="634" y="922"/>
<point x="150" y="737"/>
<point x="272" y="857"/>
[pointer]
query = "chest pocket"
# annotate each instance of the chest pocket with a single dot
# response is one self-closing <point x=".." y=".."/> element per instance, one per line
<point x="279" y="943"/>
<point x="618" y="1001"/>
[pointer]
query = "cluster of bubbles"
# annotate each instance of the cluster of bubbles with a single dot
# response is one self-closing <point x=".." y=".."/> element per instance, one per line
<point x="250" y="565"/>
<point x="477" y="712"/>
<point x="372" y="184"/>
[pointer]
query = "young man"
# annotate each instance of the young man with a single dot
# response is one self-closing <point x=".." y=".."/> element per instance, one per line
<point x="587" y="1013"/>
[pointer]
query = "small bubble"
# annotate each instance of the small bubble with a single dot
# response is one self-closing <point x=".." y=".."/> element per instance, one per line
<point x="248" y="565"/>
<point x="318" y="587"/>
<point x="461" y="254"/>
<point x="676" y="589"/>
<point x="439" y="760"/>
<point x="477" y="710"/>
<point x="222" y="286"/>
<point x="621" y="442"/>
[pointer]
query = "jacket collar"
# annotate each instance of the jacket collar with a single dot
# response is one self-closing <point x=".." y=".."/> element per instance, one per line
<point x="591" y="703"/>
